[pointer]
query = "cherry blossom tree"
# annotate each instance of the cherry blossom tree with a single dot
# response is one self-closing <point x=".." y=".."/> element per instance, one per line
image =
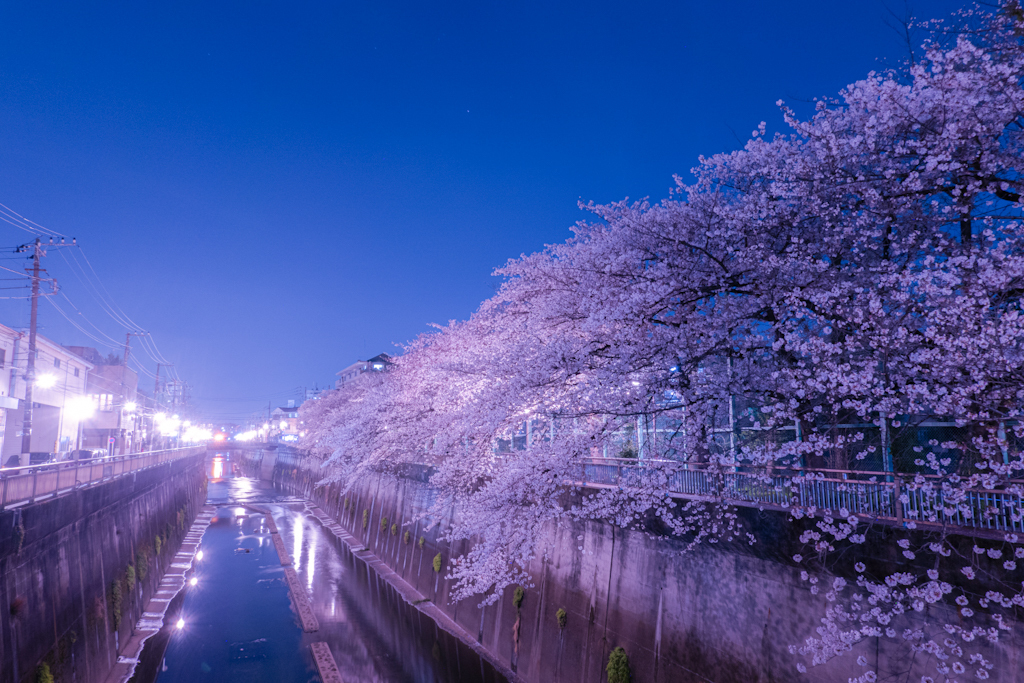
<point x="843" y="283"/>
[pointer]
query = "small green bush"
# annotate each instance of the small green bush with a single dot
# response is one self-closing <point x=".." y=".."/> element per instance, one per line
<point x="116" y="600"/>
<point x="383" y="523"/>
<point x="394" y="529"/>
<point x="422" y="541"/>
<point x="19" y="533"/>
<point x="129" y="578"/>
<point x="561" y="617"/>
<point x="517" y="597"/>
<point x="618" y="666"/>
<point x="43" y="674"/>
<point x="157" y="543"/>
<point x="437" y="562"/>
<point x="406" y="536"/>
<point x="142" y="562"/>
<point x="366" y="518"/>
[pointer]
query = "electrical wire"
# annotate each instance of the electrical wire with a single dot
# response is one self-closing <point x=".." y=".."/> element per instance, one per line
<point x="93" y="284"/>
<point x="102" y="296"/>
<point x="26" y="224"/>
<point x="83" y="278"/>
<point x="76" y="325"/>
<point x="113" y="342"/>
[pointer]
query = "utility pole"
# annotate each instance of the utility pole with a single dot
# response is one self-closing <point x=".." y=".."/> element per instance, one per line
<point x="30" y="371"/>
<point x="127" y="345"/>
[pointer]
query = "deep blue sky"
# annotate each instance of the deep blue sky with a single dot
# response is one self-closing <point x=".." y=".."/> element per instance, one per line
<point x="276" y="189"/>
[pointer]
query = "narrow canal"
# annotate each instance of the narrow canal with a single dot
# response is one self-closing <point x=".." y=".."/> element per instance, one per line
<point x="237" y="622"/>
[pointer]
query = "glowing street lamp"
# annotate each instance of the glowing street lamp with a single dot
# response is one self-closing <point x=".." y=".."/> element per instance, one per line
<point x="45" y="381"/>
<point x="79" y="408"/>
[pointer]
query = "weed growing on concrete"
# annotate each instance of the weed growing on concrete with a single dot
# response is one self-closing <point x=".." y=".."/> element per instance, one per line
<point x="43" y="674"/>
<point x="156" y="544"/>
<point x="142" y="562"/>
<point x="394" y="529"/>
<point x="116" y="603"/>
<point x="129" y="578"/>
<point x="561" y="617"/>
<point x="437" y="562"/>
<point x="19" y="533"/>
<point x="383" y="523"/>
<point x="517" y="597"/>
<point x="618" y="666"/>
<point x="422" y="541"/>
<point x="406" y="536"/>
<point x="366" y="517"/>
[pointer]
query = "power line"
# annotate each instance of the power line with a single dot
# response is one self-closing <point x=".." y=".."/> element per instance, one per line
<point x="77" y="326"/>
<point x="26" y="224"/>
<point x="106" y="301"/>
<point x="111" y="340"/>
<point x="90" y="280"/>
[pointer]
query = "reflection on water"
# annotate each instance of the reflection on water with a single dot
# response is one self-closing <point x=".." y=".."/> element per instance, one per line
<point x="236" y="622"/>
<point x="239" y="624"/>
<point x="217" y="468"/>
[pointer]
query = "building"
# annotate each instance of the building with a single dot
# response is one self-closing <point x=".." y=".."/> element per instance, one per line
<point x="58" y="397"/>
<point x="379" y="363"/>
<point x="285" y="424"/>
<point x="311" y="394"/>
<point x="116" y="423"/>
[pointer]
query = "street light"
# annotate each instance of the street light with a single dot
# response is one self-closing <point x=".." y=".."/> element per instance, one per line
<point x="79" y="409"/>
<point x="46" y="381"/>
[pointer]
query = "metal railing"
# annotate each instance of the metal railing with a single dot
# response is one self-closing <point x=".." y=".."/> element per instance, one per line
<point x="877" y="495"/>
<point x="891" y="497"/>
<point x="19" y="485"/>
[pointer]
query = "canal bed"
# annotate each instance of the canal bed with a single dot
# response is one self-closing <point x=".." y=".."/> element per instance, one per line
<point x="238" y="623"/>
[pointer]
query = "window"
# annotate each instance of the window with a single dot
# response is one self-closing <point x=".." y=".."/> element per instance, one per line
<point x="3" y="357"/>
<point x="104" y="401"/>
<point x="76" y="371"/>
<point x="56" y="363"/>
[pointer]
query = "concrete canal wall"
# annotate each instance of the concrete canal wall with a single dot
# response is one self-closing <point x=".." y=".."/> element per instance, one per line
<point x="76" y="569"/>
<point x="723" y="613"/>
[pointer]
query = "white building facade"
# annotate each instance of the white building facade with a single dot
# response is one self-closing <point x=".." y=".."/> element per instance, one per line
<point x="59" y="397"/>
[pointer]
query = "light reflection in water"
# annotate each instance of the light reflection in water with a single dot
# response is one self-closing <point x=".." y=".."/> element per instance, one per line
<point x="310" y="563"/>
<point x="374" y="640"/>
<point x="297" y="549"/>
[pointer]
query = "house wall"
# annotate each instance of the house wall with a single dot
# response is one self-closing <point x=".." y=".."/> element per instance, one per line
<point x="52" y="430"/>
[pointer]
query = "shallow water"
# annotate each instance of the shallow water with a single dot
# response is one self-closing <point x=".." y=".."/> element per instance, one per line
<point x="239" y="624"/>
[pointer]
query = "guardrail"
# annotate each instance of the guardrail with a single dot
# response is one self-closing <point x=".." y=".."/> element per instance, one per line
<point x="885" y="496"/>
<point x="889" y="497"/>
<point x="20" y="485"/>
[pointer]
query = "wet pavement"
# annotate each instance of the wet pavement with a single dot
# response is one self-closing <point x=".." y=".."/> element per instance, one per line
<point x="238" y="623"/>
